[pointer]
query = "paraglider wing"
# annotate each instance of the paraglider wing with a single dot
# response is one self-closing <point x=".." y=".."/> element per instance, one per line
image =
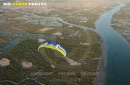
<point x="53" y="45"/>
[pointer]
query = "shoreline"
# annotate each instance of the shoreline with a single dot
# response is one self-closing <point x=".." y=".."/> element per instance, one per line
<point x="100" y="79"/>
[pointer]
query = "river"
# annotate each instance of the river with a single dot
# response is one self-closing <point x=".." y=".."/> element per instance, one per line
<point x="117" y="49"/>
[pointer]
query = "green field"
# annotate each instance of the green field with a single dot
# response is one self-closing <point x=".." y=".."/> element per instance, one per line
<point x="27" y="50"/>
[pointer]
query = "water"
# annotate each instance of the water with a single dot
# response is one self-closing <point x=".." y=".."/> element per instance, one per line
<point x="31" y="81"/>
<point x="117" y="49"/>
<point x="82" y="27"/>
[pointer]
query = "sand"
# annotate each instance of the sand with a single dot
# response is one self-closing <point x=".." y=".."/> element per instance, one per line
<point x="4" y="62"/>
<point x="82" y="21"/>
<point x="84" y="43"/>
<point x="41" y="40"/>
<point x="100" y="80"/>
<point x="57" y="34"/>
<point x="70" y="26"/>
<point x="45" y="29"/>
<point x="26" y="64"/>
<point x="72" y="62"/>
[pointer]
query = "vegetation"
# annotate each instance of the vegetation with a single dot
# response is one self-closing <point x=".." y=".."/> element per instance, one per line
<point x="63" y="73"/>
<point x="121" y="22"/>
<point x="27" y="50"/>
<point x="3" y="41"/>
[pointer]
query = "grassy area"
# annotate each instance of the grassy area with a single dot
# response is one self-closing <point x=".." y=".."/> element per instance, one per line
<point x="69" y="12"/>
<point x="121" y="20"/>
<point x="3" y="42"/>
<point x="27" y="50"/>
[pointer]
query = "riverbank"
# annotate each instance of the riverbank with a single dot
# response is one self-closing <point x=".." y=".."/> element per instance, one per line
<point x="100" y="80"/>
<point x="121" y="23"/>
<point x="117" y="49"/>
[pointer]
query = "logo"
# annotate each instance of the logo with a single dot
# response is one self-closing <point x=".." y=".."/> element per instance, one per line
<point x="17" y="4"/>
